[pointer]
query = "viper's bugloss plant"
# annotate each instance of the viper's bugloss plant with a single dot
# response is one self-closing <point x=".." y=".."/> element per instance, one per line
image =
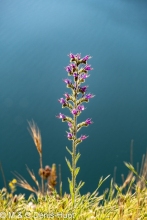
<point x="78" y="69"/>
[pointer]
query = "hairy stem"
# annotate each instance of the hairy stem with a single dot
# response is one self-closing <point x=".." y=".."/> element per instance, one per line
<point x="74" y="148"/>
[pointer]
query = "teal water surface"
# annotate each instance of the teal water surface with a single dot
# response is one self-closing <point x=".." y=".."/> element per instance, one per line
<point x="35" y="39"/>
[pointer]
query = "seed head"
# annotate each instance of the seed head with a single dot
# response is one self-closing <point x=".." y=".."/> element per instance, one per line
<point x="35" y="133"/>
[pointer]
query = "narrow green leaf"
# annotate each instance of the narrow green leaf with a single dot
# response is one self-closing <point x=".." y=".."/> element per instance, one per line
<point x="101" y="181"/>
<point x="130" y="167"/>
<point x="80" y="184"/>
<point x="117" y="188"/>
<point x="68" y="151"/>
<point x="77" y="171"/>
<point x="69" y="165"/>
<point x="77" y="157"/>
<point x="71" y="189"/>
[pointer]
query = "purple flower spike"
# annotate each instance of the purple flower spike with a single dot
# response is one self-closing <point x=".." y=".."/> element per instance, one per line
<point x="89" y="96"/>
<point x="81" y="107"/>
<point x="83" y="137"/>
<point x="88" y="67"/>
<point x="87" y="57"/>
<point x="67" y="81"/>
<point x="88" y="121"/>
<point x="69" y="135"/>
<point x="74" y="111"/>
<point x="62" y="116"/>
<point x="62" y="101"/>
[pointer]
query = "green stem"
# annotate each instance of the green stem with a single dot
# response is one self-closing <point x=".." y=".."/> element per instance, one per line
<point x="74" y="149"/>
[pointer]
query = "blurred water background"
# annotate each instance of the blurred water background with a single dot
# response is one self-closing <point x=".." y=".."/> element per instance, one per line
<point x="35" y="38"/>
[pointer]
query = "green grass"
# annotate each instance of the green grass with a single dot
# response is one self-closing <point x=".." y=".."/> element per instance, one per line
<point x="112" y="204"/>
<point x="128" y="201"/>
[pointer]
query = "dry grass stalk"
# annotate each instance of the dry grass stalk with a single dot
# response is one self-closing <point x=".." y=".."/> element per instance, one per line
<point x="52" y="179"/>
<point x="35" y="133"/>
<point x="128" y="180"/>
<point x="24" y="184"/>
<point x="33" y="177"/>
<point x="143" y="173"/>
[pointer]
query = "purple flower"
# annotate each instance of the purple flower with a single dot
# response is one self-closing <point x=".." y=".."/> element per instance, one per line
<point x="83" y="137"/>
<point x="89" y="96"/>
<point x="67" y="81"/>
<point x="67" y="96"/>
<point x="69" y="135"/>
<point x="72" y="56"/>
<point x="81" y="107"/>
<point x="68" y="69"/>
<point x="88" y="121"/>
<point x="75" y="76"/>
<point x="73" y="66"/>
<point x="78" y="56"/>
<point x="62" y="116"/>
<point x="88" y="67"/>
<point x="75" y="57"/>
<point x="69" y="124"/>
<point x="87" y="57"/>
<point x="84" y="76"/>
<point x="62" y="101"/>
<point x="83" y="89"/>
<point x="74" y="111"/>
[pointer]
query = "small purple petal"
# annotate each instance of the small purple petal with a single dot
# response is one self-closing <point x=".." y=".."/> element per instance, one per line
<point x="67" y="81"/>
<point x="89" y="96"/>
<point x="69" y="124"/>
<point x="83" y="89"/>
<point x="83" y="137"/>
<point x="74" y="111"/>
<point x="81" y="107"/>
<point x="88" y="121"/>
<point x="72" y="56"/>
<point x="75" y="75"/>
<point x="72" y="65"/>
<point x="69" y="135"/>
<point x="62" y="101"/>
<point x="84" y="76"/>
<point x="67" y="96"/>
<point x="88" y="67"/>
<point x="68" y="69"/>
<point x="87" y="57"/>
<point x="62" y="116"/>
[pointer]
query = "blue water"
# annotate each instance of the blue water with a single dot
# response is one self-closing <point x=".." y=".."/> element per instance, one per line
<point x="35" y="39"/>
